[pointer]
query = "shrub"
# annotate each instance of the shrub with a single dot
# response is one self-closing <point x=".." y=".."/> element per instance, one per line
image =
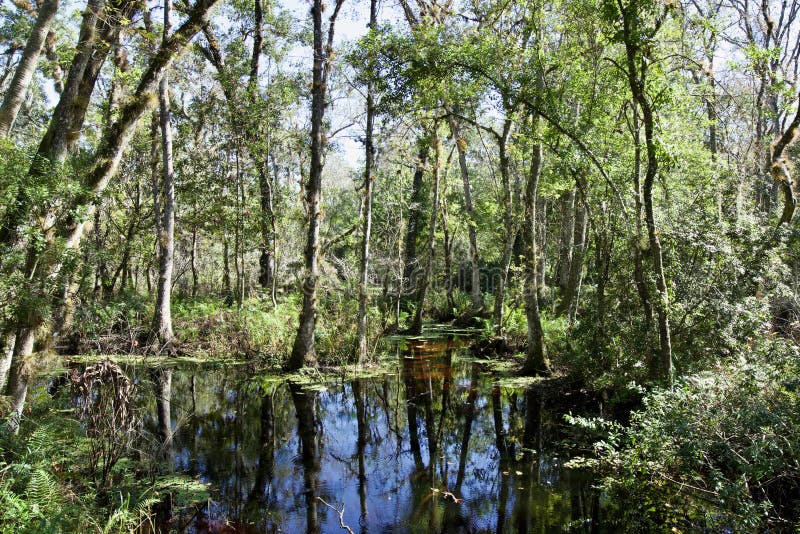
<point x="719" y="451"/>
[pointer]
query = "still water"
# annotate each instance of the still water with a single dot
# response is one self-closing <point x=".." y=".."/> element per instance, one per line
<point x="434" y="444"/>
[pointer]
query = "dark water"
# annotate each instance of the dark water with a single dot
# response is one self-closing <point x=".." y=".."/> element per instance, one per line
<point x="434" y="445"/>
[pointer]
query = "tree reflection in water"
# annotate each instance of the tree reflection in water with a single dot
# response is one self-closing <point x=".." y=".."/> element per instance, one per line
<point x="436" y="446"/>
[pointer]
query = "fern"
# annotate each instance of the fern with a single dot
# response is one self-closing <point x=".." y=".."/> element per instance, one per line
<point x="127" y="518"/>
<point x="13" y="508"/>
<point x="43" y="490"/>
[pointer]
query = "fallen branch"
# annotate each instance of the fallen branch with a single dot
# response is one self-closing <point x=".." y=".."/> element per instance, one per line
<point x="341" y="515"/>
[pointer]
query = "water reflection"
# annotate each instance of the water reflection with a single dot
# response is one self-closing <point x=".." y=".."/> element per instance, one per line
<point x="436" y="445"/>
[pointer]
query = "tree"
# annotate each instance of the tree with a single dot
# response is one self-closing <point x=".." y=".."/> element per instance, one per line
<point x="68" y="229"/>
<point x="640" y="22"/>
<point x="536" y="360"/>
<point x="164" y="209"/>
<point x="366" y="229"/>
<point x="303" y="350"/>
<point x="15" y="95"/>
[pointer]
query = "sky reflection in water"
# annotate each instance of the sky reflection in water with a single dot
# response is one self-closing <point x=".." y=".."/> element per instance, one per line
<point x="433" y="447"/>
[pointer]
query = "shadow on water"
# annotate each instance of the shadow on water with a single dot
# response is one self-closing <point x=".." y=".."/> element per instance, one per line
<point x="436" y="446"/>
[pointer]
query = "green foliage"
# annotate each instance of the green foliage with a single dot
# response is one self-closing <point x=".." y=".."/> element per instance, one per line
<point x="46" y="483"/>
<point x="126" y="314"/>
<point x="256" y="329"/>
<point x="39" y="476"/>
<point x="719" y="451"/>
<point x="516" y="324"/>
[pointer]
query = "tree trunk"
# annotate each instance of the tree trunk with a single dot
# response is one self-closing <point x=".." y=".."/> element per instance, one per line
<point x="162" y="320"/>
<point x="541" y="243"/>
<point x="602" y="265"/>
<point x="102" y="278"/>
<point x="410" y="259"/>
<point x="238" y="242"/>
<point x="780" y="168"/>
<point x="536" y="356"/>
<point x="567" y="202"/>
<point x="639" y="280"/>
<point x="7" y="354"/>
<point x="303" y="351"/>
<point x="448" y="247"/>
<point x="18" y="89"/>
<point x="474" y="258"/>
<point x="509" y="228"/>
<point x="637" y="77"/>
<point x="422" y="292"/>
<point x="226" y="268"/>
<point x="266" y="261"/>
<point x="193" y="262"/>
<point x="369" y="162"/>
<point x="19" y="375"/>
<point x="569" y="298"/>
<point x="46" y="264"/>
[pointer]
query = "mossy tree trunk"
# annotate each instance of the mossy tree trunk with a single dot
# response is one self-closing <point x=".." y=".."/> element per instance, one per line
<point x="303" y="350"/>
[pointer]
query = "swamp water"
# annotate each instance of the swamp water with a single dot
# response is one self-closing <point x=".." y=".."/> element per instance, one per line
<point x="435" y="443"/>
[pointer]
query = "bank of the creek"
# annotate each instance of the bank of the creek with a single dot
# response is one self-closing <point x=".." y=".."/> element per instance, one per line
<point x="434" y="440"/>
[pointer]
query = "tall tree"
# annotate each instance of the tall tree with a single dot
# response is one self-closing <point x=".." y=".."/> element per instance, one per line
<point x="472" y="231"/>
<point x="366" y="228"/>
<point x="18" y="89"/>
<point x="636" y="32"/>
<point x="165" y="213"/>
<point x="44" y="265"/>
<point x="423" y="286"/>
<point x="536" y="360"/>
<point x="303" y="350"/>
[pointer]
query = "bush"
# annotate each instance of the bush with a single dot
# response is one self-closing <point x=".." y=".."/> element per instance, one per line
<point x="256" y="329"/>
<point x="111" y="325"/>
<point x="720" y="451"/>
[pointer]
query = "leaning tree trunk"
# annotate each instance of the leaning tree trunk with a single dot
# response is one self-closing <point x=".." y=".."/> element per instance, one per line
<point x="162" y="319"/>
<point x="47" y="265"/>
<point x="780" y="168"/>
<point x="369" y="163"/>
<point x="98" y="34"/>
<point x="536" y="361"/>
<point x="18" y="90"/>
<point x="303" y="350"/>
